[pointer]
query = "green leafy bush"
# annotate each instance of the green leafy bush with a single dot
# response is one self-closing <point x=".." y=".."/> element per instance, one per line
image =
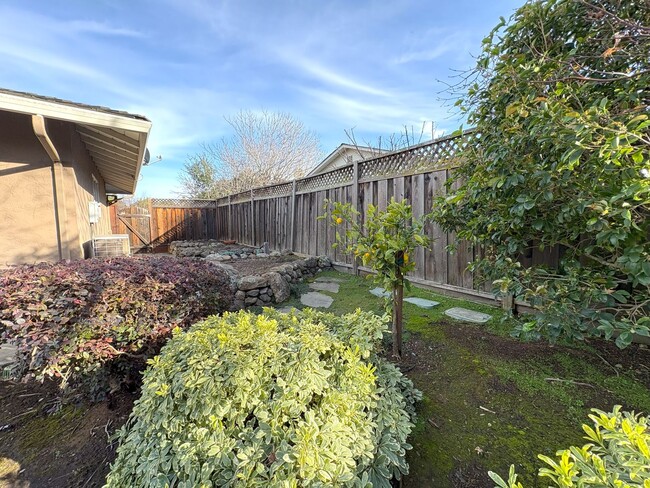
<point x="559" y="97"/>
<point x="271" y="400"/>
<point x="89" y="323"/>
<point x="617" y="456"/>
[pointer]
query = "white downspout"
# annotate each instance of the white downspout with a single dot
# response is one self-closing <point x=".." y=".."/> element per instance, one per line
<point x="60" y="213"/>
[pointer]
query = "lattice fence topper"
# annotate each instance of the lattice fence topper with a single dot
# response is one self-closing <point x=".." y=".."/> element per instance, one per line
<point x="182" y="203"/>
<point x="332" y="179"/>
<point x="442" y="152"/>
<point x="244" y="196"/>
<point x="420" y="158"/>
<point x="280" y="190"/>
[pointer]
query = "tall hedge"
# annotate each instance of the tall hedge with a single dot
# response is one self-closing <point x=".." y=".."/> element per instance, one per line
<point x="560" y="98"/>
<point x="269" y="400"/>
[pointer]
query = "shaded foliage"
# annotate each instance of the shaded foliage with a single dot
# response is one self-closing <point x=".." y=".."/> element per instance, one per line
<point x="560" y="99"/>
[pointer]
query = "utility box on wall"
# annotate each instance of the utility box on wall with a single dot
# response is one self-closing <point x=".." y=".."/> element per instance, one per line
<point x="94" y="212"/>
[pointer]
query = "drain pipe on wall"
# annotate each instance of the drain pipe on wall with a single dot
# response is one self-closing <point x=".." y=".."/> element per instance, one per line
<point x="60" y="214"/>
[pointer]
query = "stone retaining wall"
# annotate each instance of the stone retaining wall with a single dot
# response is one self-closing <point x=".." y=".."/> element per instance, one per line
<point x="217" y="251"/>
<point x="275" y="285"/>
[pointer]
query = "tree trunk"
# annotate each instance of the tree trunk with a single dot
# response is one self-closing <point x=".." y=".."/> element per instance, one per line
<point x="398" y="297"/>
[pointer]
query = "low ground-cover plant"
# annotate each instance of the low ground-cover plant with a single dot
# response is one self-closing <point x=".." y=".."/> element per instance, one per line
<point x="277" y="399"/>
<point x="617" y="455"/>
<point x="89" y="322"/>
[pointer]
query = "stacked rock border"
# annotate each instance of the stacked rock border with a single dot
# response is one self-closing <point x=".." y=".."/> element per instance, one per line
<point x="218" y="251"/>
<point x="274" y="286"/>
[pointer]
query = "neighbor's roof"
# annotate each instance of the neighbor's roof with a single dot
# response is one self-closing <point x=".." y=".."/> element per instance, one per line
<point x="116" y="140"/>
<point x="364" y="151"/>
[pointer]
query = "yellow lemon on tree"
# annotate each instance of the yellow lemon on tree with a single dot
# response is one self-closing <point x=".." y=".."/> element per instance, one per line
<point x="339" y="220"/>
<point x="406" y="258"/>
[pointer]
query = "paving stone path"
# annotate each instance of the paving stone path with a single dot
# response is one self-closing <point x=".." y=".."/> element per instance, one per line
<point x="327" y="279"/>
<point x="315" y="299"/>
<point x="460" y="313"/>
<point x="286" y="309"/>
<point x="7" y="355"/>
<point x="380" y="292"/>
<point x="325" y="286"/>
<point x="421" y="302"/>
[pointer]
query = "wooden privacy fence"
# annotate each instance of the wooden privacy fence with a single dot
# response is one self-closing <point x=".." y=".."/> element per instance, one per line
<point x="285" y="215"/>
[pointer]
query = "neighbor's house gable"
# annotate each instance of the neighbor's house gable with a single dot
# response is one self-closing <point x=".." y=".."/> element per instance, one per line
<point x="342" y="156"/>
<point x="44" y="204"/>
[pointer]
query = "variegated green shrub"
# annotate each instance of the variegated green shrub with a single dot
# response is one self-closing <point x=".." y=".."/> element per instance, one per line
<point x="617" y="456"/>
<point x="269" y="400"/>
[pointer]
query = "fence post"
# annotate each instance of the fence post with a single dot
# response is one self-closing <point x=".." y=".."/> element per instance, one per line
<point x="355" y="206"/>
<point x="292" y="239"/>
<point x="151" y="226"/>
<point x="252" y="237"/>
<point x="229" y="219"/>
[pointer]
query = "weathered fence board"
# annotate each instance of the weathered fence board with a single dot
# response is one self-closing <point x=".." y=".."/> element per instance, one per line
<point x="285" y="215"/>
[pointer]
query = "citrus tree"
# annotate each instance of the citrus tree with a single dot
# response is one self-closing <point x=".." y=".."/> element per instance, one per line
<point x="385" y="243"/>
<point x="560" y="99"/>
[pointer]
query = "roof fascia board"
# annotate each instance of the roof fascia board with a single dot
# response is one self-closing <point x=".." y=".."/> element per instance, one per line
<point x="57" y="111"/>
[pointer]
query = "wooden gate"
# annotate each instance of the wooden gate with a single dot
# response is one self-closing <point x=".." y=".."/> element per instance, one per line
<point x="134" y="221"/>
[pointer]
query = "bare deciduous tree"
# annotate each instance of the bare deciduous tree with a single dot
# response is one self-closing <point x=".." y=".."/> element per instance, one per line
<point x="395" y="141"/>
<point x="265" y="148"/>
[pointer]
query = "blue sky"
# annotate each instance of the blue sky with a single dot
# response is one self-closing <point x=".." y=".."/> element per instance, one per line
<point x="185" y="64"/>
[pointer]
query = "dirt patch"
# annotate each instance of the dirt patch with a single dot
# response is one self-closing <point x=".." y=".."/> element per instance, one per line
<point x="470" y="476"/>
<point x="48" y="445"/>
<point x="599" y="353"/>
<point x="479" y="339"/>
<point x="259" y="266"/>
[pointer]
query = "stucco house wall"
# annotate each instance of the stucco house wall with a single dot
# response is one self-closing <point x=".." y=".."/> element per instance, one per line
<point x="27" y="215"/>
<point x="27" y="220"/>
<point x="56" y="157"/>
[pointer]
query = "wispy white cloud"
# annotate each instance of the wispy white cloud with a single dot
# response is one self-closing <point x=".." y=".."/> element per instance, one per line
<point x="331" y="77"/>
<point x="381" y="116"/>
<point x="93" y="27"/>
<point x="186" y="63"/>
<point x="433" y="44"/>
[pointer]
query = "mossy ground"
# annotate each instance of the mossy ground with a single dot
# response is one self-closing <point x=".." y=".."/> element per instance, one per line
<point x="491" y="400"/>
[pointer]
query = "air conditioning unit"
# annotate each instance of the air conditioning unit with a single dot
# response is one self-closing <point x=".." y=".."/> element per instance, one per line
<point x="111" y="246"/>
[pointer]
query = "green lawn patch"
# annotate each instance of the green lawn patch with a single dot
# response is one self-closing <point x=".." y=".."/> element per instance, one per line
<point x="491" y="400"/>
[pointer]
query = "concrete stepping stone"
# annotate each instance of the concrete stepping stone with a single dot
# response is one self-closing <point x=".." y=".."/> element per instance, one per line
<point x="315" y="299"/>
<point x="326" y="286"/>
<point x="460" y="313"/>
<point x="327" y="279"/>
<point x="421" y="302"/>
<point x="7" y="355"/>
<point x="380" y="292"/>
